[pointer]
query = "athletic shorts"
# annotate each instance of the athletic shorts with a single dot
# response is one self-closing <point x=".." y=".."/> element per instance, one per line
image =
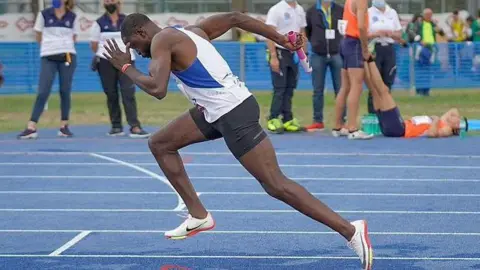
<point x="391" y="123"/>
<point x="240" y="127"/>
<point x="351" y="52"/>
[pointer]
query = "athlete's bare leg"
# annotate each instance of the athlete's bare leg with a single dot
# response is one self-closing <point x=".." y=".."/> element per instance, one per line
<point x="341" y="100"/>
<point x="382" y="99"/>
<point x="356" y="78"/>
<point x="164" y="145"/>
<point x="262" y="163"/>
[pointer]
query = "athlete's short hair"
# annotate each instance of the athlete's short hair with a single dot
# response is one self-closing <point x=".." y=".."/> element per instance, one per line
<point x="132" y="23"/>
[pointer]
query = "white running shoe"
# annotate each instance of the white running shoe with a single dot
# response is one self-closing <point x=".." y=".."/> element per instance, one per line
<point x="190" y="227"/>
<point x="359" y="135"/>
<point x="361" y="244"/>
<point x="340" y="133"/>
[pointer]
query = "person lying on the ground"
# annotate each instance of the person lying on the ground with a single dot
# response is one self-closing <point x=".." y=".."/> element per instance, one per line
<point x="391" y="121"/>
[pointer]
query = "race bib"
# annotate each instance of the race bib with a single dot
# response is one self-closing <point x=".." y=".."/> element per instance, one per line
<point x="342" y="27"/>
<point x="420" y="120"/>
<point x="330" y="34"/>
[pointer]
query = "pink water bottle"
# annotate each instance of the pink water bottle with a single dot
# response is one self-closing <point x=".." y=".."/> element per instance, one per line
<point x="292" y="36"/>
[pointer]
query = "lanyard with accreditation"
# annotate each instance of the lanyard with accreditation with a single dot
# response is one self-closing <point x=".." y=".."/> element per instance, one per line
<point x="327" y="19"/>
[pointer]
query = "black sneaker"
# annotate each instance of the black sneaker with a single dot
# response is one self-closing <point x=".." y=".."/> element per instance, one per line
<point x="28" y="134"/>
<point x="65" y="132"/>
<point x="140" y="133"/>
<point x="116" y="132"/>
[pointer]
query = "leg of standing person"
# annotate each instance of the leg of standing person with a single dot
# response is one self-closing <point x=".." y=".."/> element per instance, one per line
<point x="319" y="70"/>
<point x="279" y="81"/>
<point x="127" y="89"/>
<point x="335" y="65"/>
<point x="109" y="78"/>
<point x="356" y="74"/>
<point x="48" y="69"/>
<point x="65" y="76"/>
<point x="388" y="69"/>
<point x="290" y="124"/>
<point x="340" y="105"/>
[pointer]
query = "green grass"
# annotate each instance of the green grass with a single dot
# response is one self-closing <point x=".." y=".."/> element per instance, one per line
<point x="90" y="108"/>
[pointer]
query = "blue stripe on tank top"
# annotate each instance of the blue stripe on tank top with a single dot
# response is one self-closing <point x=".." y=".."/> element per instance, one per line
<point x="197" y="76"/>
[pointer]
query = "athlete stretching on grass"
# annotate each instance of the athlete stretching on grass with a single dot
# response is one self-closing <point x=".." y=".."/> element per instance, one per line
<point x="224" y="107"/>
<point x="390" y="119"/>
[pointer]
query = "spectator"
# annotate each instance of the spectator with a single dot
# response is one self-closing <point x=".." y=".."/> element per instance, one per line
<point x="108" y="27"/>
<point x="476" y="29"/>
<point x="285" y="16"/>
<point x="250" y="52"/>
<point x="384" y="30"/>
<point x="468" y="28"/>
<point x="476" y="39"/>
<point x="426" y="52"/>
<point x="457" y="27"/>
<point x="413" y="28"/>
<point x="322" y="32"/>
<point x="56" y="30"/>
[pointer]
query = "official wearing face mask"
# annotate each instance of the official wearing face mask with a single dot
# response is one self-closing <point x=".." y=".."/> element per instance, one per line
<point x="108" y="27"/>
<point x="384" y="30"/>
<point x="56" y="30"/>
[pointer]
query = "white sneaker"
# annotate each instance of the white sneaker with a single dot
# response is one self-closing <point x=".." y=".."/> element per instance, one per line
<point x="190" y="227"/>
<point x="340" y="133"/>
<point x="361" y="244"/>
<point x="359" y="135"/>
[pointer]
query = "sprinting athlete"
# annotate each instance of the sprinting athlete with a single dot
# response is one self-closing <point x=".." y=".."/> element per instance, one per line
<point x="224" y="107"/>
<point x="354" y="51"/>
<point x="391" y="121"/>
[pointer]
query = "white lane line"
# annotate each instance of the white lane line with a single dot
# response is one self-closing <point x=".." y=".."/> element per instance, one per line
<point x="90" y="164"/>
<point x="164" y="180"/>
<point x="392" y="212"/>
<point x="348" y="179"/>
<point x="242" y="257"/>
<point x="246" y="193"/>
<point x="336" y="179"/>
<point x="70" y="243"/>
<point x="63" y="177"/>
<point x="327" y="154"/>
<point x="247" y="232"/>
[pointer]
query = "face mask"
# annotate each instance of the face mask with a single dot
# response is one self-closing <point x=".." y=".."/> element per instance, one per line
<point x="56" y="3"/>
<point x="378" y="3"/>
<point x="111" y="8"/>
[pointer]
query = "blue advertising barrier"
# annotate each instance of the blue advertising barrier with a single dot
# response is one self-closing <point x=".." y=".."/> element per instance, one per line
<point x="456" y="66"/>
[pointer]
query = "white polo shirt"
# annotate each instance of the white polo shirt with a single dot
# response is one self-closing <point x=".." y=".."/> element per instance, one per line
<point x="383" y="21"/>
<point x="104" y="29"/>
<point x="286" y="18"/>
<point x="57" y="34"/>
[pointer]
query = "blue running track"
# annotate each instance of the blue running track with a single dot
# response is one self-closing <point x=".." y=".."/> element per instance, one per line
<point x="93" y="202"/>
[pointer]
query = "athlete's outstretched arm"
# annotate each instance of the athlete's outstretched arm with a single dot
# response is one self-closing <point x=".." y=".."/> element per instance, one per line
<point x="217" y="25"/>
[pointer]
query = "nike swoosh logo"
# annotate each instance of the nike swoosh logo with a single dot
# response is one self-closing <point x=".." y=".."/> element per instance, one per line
<point x="194" y="228"/>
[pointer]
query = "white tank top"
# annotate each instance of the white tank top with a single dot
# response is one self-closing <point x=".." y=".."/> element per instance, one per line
<point x="209" y="81"/>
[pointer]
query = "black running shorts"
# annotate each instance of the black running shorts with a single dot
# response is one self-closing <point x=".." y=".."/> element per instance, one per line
<point x="240" y="127"/>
